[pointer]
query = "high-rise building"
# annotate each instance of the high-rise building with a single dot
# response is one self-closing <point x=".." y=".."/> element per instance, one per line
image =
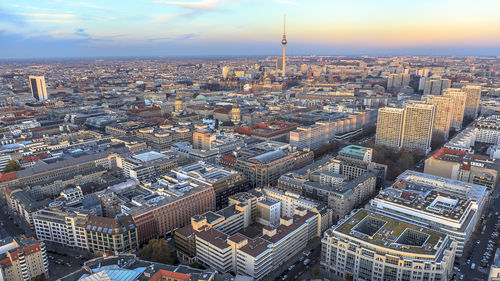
<point x="390" y="123"/>
<point x="434" y="85"/>
<point x="458" y="98"/>
<point x="442" y="119"/>
<point x="417" y="132"/>
<point x="398" y="80"/>
<point x="38" y="88"/>
<point x="473" y="97"/>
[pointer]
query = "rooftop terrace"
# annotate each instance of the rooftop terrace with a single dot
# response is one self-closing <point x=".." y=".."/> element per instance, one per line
<point x="392" y="233"/>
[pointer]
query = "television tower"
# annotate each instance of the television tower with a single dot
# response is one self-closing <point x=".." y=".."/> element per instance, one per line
<point x="283" y="42"/>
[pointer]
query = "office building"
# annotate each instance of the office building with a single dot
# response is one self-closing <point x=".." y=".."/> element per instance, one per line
<point x="111" y="235"/>
<point x="442" y="120"/>
<point x="326" y="183"/>
<point x="370" y="246"/>
<point x="224" y="181"/>
<point x="263" y="163"/>
<point x="62" y="226"/>
<point x="146" y="165"/>
<point x="458" y="99"/>
<point x="38" y="88"/>
<point x="23" y="258"/>
<point x="448" y="206"/>
<point x="169" y="206"/>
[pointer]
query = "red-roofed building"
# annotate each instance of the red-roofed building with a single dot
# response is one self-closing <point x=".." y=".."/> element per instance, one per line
<point x="460" y="165"/>
<point x="277" y="131"/>
<point x="167" y="275"/>
<point x="22" y="258"/>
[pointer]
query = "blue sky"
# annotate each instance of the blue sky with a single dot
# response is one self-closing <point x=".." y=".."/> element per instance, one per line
<point x="64" y="28"/>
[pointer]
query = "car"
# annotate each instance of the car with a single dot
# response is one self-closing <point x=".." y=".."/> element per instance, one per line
<point x="461" y="277"/>
<point x="284" y="277"/>
<point x="51" y="257"/>
<point x="291" y="267"/>
<point x="473" y="266"/>
<point x="301" y="258"/>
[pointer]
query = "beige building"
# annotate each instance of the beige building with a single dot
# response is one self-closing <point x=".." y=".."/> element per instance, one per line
<point x="418" y="125"/>
<point x="442" y="120"/>
<point x="390" y="123"/>
<point x="38" y="88"/>
<point x="23" y="258"/>
<point x="458" y="98"/>
<point x="473" y="98"/>
<point x="202" y="139"/>
<point x="408" y="128"/>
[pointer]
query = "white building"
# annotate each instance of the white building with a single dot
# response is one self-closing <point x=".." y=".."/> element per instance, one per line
<point x="370" y="246"/>
<point x="449" y="206"/>
<point x="65" y="227"/>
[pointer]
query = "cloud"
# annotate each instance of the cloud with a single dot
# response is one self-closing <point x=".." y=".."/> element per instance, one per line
<point x="203" y="5"/>
<point x="187" y="36"/>
<point x="51" y="20"/>
<point x="287" y="2"/>
<point x="59" y="16"/>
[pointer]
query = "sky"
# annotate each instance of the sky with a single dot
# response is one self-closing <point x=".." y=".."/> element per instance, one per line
<point x="197" y="28"/>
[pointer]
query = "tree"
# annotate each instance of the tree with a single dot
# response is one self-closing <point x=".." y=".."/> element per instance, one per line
<point x="12" y="166"/>
<point x="157" y="250"/>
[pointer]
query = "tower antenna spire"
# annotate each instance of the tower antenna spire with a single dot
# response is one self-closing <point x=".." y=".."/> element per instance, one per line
<point x="283" y="42"/>
<point x="284" y="24"/>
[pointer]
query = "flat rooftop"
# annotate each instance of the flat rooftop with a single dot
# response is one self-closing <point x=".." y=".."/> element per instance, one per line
<point x="149" y="156"/>
<point x="384" y="231"/>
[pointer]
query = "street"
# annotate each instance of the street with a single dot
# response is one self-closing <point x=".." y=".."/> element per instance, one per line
<point x="294" y="267"/>
<point x="475" y="251"/>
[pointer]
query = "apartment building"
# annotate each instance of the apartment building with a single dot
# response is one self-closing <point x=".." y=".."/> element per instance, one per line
<point x="472" y="100"/>
<point x="418" y="126"/>
<point x="390" y="124"/>
<point x="407" y="128"/>
<point x="23" y="258"/>
<point x="370" y="246"/>
<point x="458" y="100"/>
<point x="442" y="120"/>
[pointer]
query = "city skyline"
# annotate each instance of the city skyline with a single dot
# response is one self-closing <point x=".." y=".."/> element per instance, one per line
<point x="58" y="28"/>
